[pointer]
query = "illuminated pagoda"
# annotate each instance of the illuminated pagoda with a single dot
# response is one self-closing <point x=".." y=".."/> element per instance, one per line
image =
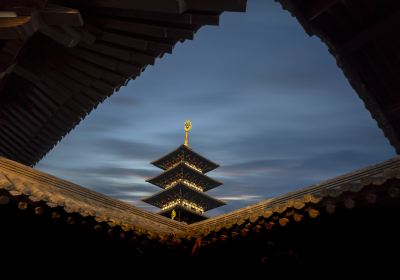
<point x="184" y="183"/>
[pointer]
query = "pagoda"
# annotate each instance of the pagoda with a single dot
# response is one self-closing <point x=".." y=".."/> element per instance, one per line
<point x="184" y="184"/>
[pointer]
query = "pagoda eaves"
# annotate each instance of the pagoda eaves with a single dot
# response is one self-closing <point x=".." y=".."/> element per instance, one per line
<point x="184" y="214"/>
<point x="181" y="191"/>
<point x="185" y="153"/>
<point x="183" y="171"/>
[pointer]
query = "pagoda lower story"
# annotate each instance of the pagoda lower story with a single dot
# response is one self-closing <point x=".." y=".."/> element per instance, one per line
<point x="183" y="203"/>
<point x="184" y="184"/>
<point x="183" y="214"/>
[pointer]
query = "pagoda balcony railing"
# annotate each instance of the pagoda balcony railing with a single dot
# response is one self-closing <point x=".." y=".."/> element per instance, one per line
<point x="184" y="203"/>
<point x="187" y="164"/>
<point x="186" y="183"/>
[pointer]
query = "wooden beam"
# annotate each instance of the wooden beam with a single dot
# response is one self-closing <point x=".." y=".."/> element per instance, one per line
<point x="182" y="33"/>
<point x="216" y="5"/>
<point x="149" y="16"/>
<point x="126" y="41"/>
<point x="61" y="16"/>
<point x="27" y="73"/>
<point x="91" y="70"/>
<point x="200" y="19"/>
<point x="85" y="35"/>
<point x="319" y="7"/>
<point x="35" y="138"/>
<point x="94" y="71"/>
<point x="20" y="141"/>
<point x="22" y="123"/>
<point x="133" y="27"/>
<point x="184" y="19"/>
<point x="39" y="105"/>
<point x="389" y="25"/>
<point x="8" y="14"/>
<point x="162" y="6"/>
<point x="86" y="94"/>
<point x="29" y="138"/>
<point x="71" y="85"/>
<point x="7" y="71"/>
<point x="159" y="48"/>
<point x="156" y="30"/>
<point x="123" y="54"/>
<point x="8" y="4"/>
<point x="52" y="81"/>
<point x="22" y="113"/>
<point x="63" y="35"/>
<point x="11" y="150"/>
<point x="117" y="66"/>
<point x="12" y="28"/>
<point x="140" y="44"/>
<point x="10" y="50"/>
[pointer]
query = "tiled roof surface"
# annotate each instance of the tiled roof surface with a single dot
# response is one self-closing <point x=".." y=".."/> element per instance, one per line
<point x="27" y="184"/>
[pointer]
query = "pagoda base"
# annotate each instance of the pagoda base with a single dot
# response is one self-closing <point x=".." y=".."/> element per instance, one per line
<point x="184" y="215"/>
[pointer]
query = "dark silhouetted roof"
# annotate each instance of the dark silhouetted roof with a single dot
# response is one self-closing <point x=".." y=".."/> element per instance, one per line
<point x="60" y="59"/>
<point x="363" y="38"/>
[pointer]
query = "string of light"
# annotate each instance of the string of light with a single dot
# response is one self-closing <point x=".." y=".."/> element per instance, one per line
<point x="187" y="164"/>
<point x="187" y="183"/>
<point x="184" y="203"/>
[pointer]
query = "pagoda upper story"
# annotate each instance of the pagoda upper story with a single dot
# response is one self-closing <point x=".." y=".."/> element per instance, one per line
<point x="185" y="154"/>
<point x="184" y="183"/>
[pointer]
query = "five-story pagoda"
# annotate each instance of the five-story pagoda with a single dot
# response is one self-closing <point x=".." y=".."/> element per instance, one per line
<point x="184" y="183"/>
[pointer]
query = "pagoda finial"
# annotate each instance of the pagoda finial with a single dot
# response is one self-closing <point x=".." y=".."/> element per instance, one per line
<point x="188" y="127"/>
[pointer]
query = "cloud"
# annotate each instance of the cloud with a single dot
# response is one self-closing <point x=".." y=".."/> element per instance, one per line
<point x="113" y="171"/>
<point x="123" y="101"/>
<point x="241" y="197"/>
<point x="270" y="106"/>
<point x="128" y="149"/>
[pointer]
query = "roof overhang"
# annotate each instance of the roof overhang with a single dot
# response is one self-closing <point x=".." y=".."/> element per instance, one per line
<point x="184" y="192"/>
<point x="361" y="38"/>
<point x="60" y="59"/>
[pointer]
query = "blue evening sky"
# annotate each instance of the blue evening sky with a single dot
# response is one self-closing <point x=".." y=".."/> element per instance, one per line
<point x="267" y="102"/>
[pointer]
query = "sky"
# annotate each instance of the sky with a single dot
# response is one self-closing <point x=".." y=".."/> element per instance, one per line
<point x="267" y="102"/>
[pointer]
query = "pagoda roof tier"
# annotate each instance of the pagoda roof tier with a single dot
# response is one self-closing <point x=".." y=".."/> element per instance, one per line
<point x="184" y="214"/>
<point x="182" y="191"/>
<point x="182" y="171"/>
<point x="185" y="153"/>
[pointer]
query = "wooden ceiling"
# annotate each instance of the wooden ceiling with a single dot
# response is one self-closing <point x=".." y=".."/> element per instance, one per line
<point x="60" y="59"/>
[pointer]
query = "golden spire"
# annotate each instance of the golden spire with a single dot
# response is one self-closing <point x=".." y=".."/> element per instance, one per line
<point x="188" y="127"/>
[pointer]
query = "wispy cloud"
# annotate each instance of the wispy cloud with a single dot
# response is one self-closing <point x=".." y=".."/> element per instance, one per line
<point x="241" y="197"/>
<point x="270" y="106"/>
<point x="128" y="149"/>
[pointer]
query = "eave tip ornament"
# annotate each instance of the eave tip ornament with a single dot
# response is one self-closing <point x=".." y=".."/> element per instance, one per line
<point x="188" y="127"/>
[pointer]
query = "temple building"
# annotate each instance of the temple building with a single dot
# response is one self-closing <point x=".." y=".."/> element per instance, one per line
<point x="184" y="183"/>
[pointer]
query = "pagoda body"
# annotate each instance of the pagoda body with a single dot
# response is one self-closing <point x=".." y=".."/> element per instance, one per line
<point x="184" y="183"/>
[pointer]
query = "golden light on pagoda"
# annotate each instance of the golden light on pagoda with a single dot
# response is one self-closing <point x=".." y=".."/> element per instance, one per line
<point x="187" y="127"/>
<point x="184" y="183"/>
